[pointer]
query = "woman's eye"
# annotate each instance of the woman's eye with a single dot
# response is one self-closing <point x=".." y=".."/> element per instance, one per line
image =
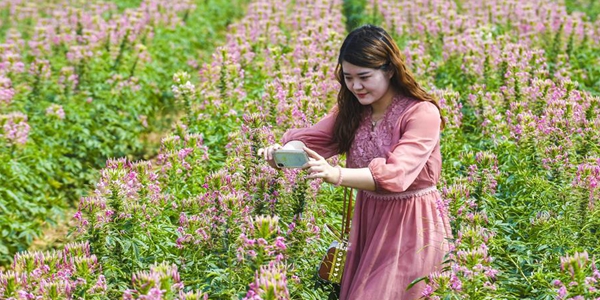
<point x="364" y="77"/>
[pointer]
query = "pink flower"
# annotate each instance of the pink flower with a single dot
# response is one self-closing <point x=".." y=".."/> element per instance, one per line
<point x="6" y="95"/>
<point x="427" y="291"/>
<point x="556" y="282"/>
<point x="562" y="292"/>
<point x="280" y="243"/>
<point x="155" y="294"/>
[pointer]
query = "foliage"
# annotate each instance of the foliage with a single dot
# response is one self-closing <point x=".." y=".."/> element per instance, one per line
<point x="75" y="94"/>
<point x="589" y="7"/>
<point x="232" y="226"/>
<point x="208" y="219"/>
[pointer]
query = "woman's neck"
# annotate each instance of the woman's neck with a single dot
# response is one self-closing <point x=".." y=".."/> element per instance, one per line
<point x="378" y="108"/>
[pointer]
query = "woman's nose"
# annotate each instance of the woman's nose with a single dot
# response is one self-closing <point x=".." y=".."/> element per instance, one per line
<point x="357" y="85"/>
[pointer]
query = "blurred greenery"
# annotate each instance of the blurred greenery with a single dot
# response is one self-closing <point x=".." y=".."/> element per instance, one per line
<point x="590" y="7"/>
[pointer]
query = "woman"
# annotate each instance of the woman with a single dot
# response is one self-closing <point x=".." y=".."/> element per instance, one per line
<point x="389" y="128"/>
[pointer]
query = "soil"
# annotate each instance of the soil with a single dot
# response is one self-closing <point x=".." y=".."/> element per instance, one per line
<point x="55" y="236"/>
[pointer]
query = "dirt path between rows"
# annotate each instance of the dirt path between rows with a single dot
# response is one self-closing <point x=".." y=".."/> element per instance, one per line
<point x="55" y="236"/>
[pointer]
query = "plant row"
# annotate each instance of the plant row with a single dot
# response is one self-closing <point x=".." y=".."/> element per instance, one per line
<point x="208" y="211"/>
<point x="83" y="83"/>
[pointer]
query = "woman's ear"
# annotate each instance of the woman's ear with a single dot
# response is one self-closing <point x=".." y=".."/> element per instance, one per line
<point x="390" y="73"/>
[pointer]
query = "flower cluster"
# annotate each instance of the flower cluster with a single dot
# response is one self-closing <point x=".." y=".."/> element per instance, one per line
<point x="270" y="283"/>
<point x="56" y="111"/>
<point x="588" y="178"/>
<point x="7" y="92"/>
<point x="183" y="90"/>
<point x="14" y="128"/>
<point x="579" y="278"/>
<point x="264" y="241"/>
<point x="54" y="275"/>
<point x="162" y="281"/>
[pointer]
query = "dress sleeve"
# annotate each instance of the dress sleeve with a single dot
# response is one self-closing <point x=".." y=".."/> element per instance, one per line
<point x="407" y="158"/>
<point x="318" y="137"/>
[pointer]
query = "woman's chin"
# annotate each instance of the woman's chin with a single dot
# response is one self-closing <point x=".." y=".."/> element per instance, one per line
<point x="365" y="101"/>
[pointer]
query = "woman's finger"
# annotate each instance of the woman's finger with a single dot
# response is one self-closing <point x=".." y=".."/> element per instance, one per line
<point x="316" y="175"/>
<point x="266" y="153"/>
<point x="313" y="154"/>
<point x="314" y="169"/>
<point x="312" y="163"/>
<point x="273" y="149"/>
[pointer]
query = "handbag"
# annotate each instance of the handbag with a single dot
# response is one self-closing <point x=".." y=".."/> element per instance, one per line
<point x="331" y="268"/>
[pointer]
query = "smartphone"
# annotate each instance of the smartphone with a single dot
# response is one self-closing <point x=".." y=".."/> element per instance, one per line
<point x="290" y="158"/>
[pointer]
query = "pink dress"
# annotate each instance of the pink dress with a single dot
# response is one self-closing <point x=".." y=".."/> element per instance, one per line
<point x="398" y="232"/>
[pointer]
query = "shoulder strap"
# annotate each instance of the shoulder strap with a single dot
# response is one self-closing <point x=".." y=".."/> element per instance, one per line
<point x="347" y="213"/>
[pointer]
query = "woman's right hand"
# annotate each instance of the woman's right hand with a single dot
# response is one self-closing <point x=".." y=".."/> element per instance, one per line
<point x="267" y="154"/>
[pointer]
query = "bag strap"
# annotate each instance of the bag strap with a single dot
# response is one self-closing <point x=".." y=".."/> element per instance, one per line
<point x="347" y="213"/>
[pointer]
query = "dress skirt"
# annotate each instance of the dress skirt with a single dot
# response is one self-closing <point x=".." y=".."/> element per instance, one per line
<point x="394" y="239"/>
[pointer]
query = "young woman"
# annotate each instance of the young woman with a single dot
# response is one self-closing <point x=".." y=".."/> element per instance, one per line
<point x="389" y="129"/>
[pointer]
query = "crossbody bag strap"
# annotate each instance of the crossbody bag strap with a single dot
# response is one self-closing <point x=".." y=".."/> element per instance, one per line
<point x="347" y="213"/>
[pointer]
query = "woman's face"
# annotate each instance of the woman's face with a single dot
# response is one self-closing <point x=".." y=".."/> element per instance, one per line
<point x="367" y="84"/>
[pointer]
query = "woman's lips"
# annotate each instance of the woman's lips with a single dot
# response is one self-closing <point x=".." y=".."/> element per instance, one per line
<point x="361" y="95"/>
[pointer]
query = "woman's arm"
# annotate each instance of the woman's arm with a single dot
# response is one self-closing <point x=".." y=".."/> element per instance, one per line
<point x="361" y="179"/>
<point x="420" y="137"/>
<point x="318" y="167"/>
<point x="318" y="137"/>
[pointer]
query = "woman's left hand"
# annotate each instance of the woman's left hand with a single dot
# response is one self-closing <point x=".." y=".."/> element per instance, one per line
<point x="318" y="167"/>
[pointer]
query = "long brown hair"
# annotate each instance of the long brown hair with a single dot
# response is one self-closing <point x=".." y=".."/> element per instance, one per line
<point x="370" y="46"/>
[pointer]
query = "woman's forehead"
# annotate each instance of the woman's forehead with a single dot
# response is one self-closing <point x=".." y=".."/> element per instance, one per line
<point x="349" y="68"/>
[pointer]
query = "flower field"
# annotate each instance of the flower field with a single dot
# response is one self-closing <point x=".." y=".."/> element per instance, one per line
<point x="87" y="87"/>
<point x="82" y="83"/>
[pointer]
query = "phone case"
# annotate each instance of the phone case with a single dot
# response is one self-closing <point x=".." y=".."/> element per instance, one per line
<point x="290" y="158"/>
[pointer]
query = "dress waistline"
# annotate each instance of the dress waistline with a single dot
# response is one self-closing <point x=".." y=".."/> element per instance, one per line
<point x="402" y="195"/>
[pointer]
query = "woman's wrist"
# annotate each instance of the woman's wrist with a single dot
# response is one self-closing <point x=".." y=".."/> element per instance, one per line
<point x="340" y="177"/>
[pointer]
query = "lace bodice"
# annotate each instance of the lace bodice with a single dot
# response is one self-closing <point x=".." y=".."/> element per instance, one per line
<point x="370" y="141"/>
